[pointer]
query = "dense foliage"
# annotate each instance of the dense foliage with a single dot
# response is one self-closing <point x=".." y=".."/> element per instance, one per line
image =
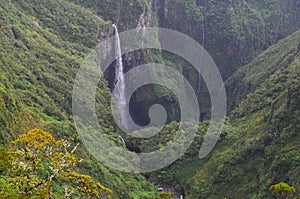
<point x="39" y="166"/>
<point x="39" y="59"/>
<point x="235" y="32"/>
<point x="260" y="143"/>
<point x="282" y="190"/>
<point x="43" y="44"/>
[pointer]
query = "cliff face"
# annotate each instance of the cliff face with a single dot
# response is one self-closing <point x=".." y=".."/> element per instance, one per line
<point x="250" y="77"/>
<point x="124" y="13"/>
<point x="44" y="42"/>
<point x="236" y="31"/>
<point x="259" y="145"/>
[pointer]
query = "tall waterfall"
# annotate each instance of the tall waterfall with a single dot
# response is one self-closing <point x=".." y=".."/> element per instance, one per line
<point x="141" y="26"/>
<point x="199" y="85"/>
<point x="141" y="22"/>
<point x="119" y="78"/>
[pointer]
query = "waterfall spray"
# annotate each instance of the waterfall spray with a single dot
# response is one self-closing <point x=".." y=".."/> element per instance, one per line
<point x="141" y="26"/>
<point x="141" y="23"/>
<point x="119" y="78"/>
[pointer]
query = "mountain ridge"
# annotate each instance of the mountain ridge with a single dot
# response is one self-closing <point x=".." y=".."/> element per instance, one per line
<point x="44" y="42"/>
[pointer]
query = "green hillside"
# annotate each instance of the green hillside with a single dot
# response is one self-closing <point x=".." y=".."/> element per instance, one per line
<point x="267" y="123"/>
<point x="235" y="32"/>
<point x="260" y="143"/>
<point x="44" y="42"/>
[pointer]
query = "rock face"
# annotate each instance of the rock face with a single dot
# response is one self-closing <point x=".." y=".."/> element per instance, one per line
<point x="260" y="143"/>
<point x="38" y="65"/>
<point x="45" y="41"/>
<point x="235" y="32"/>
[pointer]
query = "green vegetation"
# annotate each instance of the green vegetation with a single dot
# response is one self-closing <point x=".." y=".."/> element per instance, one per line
<point x="236" y="31"/>
<point x="43" y="44"/>
<point x="39" y="59"/>
<point x="37" y="163"/>
<point x="282" y="190"/>
<point x="165" y="195"/>
<point x="259" y="145"/>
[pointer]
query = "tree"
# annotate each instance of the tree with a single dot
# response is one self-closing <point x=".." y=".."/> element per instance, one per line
<point x="165" y="195"/>
<point x="36" y="164"/>
<point x="282" y="190"/>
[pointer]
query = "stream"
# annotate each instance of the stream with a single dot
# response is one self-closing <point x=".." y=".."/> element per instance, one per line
<point x="167" y="188"/>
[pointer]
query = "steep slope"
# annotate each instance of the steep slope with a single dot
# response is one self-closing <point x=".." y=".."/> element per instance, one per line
<point x="42" y="46"/>
<point x="43" y="43"/>
<point x="251" y="76"/>
<point x="236" y="31"/>
<point x="124" y="13"/>
<point x="268" y="123"/>
<point x="260" y="143"/>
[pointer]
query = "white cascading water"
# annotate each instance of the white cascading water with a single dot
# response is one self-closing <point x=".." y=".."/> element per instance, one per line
<point x="141" y="26"/>
<point x="141" y="23"/>
<point x="119" y="78"/>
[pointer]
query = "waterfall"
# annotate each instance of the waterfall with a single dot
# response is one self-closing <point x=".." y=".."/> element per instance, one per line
<point x="141" y="26"/>
<point x="199" y="85"/>
<point x="141" y="23"/>
<point x="119" y="78"/>
<point x="122" y="139"/>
